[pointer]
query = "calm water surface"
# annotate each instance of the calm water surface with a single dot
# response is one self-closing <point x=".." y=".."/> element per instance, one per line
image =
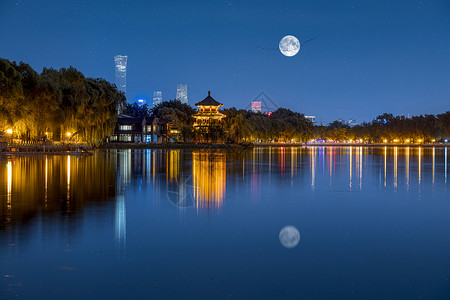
<point x="374" y="224"/>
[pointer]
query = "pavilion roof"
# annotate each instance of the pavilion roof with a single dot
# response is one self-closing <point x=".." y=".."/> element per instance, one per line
<point x="208" y="101"/>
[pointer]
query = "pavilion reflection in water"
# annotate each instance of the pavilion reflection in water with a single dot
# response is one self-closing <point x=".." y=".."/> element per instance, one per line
<point x="203" y="186"/>
<point x="209" y="178"/>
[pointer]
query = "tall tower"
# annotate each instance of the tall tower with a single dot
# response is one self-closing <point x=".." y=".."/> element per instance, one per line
<point x="182" y="93"/>
<point x="157" y="98"/>
<point x="120" y="62"/>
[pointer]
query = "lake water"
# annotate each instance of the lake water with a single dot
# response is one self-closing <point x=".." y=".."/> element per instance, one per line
<point x="374" y="223"/>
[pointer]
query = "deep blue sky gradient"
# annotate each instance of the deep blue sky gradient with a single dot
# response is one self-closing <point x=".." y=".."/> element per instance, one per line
<point x="369" y="57"/>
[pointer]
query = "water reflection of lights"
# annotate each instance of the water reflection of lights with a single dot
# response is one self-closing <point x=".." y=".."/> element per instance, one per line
<point x="282" y="159"/>
<point x="121" y="221"/>
<point x="407" y="168"/>
<point x="46" y="182"/>
<point x="351" y="166"/>
<point x="420" y="165"/>
<point x="360" y="167"/>
<point x="209" y="178"/>
<point x="313" y="167"/>
<point x="174" y="164"/>
<point x="68" y="182"/>
<point x="330" y="150"/>
<point x="9" y="185"/>
<point x="395" y="166"/>
<point x="434" y="161"/>
<point x="445" y="171"/>
<point x="385" y="165"/>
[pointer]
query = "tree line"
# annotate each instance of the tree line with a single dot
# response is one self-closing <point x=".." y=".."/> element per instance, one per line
<point x="56" y="104"/>
<point x="284" y="125"/>
<point x="390" y="128"/>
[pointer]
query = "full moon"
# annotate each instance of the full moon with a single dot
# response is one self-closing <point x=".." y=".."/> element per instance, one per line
<point x="289" y="45"/>
<point x="289" y="236"/>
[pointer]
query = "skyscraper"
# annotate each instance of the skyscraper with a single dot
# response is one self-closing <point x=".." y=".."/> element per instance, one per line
<point x="120" y="62"/>
<point x="157" y="98"/>
<point x="182" y="93"/>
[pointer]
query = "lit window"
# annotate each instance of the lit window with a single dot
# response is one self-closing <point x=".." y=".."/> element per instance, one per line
<point x="125" y="137"/>
<point x="125" y="127"/>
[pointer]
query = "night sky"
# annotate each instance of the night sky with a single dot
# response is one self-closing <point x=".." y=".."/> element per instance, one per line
<point x="368" y="57"/>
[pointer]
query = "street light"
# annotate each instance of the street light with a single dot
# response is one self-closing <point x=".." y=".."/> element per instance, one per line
<point x="9" y="131"/>
<point x="68" y="134"/>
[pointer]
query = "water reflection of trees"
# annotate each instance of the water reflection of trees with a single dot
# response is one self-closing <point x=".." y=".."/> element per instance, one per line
<point x="30" y="185"/>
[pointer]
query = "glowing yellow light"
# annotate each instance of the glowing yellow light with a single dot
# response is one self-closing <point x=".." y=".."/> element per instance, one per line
<point x="395" y="141"/>
<point x="68" y="134"/>
<point x="9" y="131"/>
<point x="46" y="133"/>
<point x="407" y="141"/>
<point x="433" y="140"/>
<point x="385" y="141"/>
<point x="420" y="141"/>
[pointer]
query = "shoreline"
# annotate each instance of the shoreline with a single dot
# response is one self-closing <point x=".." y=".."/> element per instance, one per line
<point x="118" y="146"/>
<point x="199" y="146"/>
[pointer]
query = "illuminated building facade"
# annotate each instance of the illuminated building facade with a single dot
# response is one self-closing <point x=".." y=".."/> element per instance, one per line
<point x="311" y="118"/>
<point x="157" y="98"/>
<point x="182" y="93"/>
<point x="256" y="106"/>
<point x="208" y="111"/>
<point x="120" y="62"/>
<point x="141" y="102"/>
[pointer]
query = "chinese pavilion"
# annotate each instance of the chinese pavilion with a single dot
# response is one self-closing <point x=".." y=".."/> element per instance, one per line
<point x="208" y="111"/>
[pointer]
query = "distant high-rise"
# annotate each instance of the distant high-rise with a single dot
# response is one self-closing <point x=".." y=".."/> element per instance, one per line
<point x="141" y="102"/>
<point x="256" y="106"/>
<point x="120" y="62"/>
<point x="182" y="93"/>
<point x="157" y="98"/>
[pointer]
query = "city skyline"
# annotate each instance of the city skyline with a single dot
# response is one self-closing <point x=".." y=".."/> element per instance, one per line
<point x="366" y="59"/>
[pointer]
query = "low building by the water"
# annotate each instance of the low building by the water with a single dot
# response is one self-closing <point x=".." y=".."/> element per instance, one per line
<point x="208" y="112"/>
<point x="141" y="130"/>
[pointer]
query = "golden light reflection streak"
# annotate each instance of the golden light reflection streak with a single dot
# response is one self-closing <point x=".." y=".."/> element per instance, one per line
<point x="420" y="165"/>
<point x="395" y="166"/>
<point x="360" y="167"/>
<point x="331" y="162"/>
<point x="270" y="160"/>
<point x="9" y="187"/>
<point x="313" y="167"/>
<point x="68" y="179"/>
<point x="434" y="163"/>
<point x="292" y="163"/>
<point x="153" y="165"/>
<point x="209" y="179"/>
<point x="46" y="182"/>
<point x="407" y="168"/>
<point x="351" y="166"/>
<point x="253" y="161"/>
<point x="174" y="164"/>
<point x="357" y="160"/>
<point x="385" y="164"/>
